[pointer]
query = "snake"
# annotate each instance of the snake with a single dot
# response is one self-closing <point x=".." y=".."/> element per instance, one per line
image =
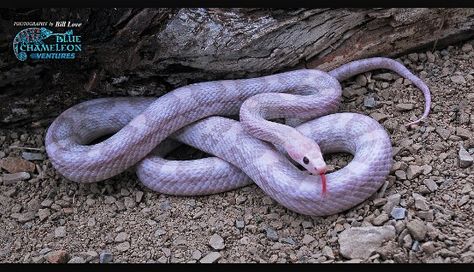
<point x="271" y="130"/>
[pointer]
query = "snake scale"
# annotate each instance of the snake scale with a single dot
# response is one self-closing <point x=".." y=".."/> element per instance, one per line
<point x="254" y="149"/>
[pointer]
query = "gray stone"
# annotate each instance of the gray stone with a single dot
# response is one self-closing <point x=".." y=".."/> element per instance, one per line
<point x="465" y="159"/>
<point x="60" y="232"/>
<point x="380" y="220"/>
<point x="464" y="199"/>
<point x="467" y="47"/>
<point x="430" y="57"/>
<point x="271" y="234"/>
<point x="404" y="107"/>
<point x="458" y="79"/>
<point x="428" y="247"/>
<point x="401" y="175"/>
<point x="327" y="251"/>
<point x="43" y="214"/>
<point x="443" y="133"/>
<point x="129" y="202"/>
<point x="196" y="255"/>
<point x="29" y="156"/>
<point x="361" y="80"/>
<point x="417" y="229"/>
<point x="25" y="217"/>
<point x="414" y="171"/>
<point x="216" y="242"/>
<point x="398" y="213"/>
<point x="392" y="201"/>
<point x="77" y="260"/>
<point x="307" y="239"/>
<point x="211" y="257"/>
<point x="307" y="224"/>
<point x="369" y="102"/>
<point x="12" y="178"/>
<point x="430" y="184"/>
<point x="350" y="92"/>
<point x="240" y="224"/>
<point x="138" y="196"/>
<point x="420" y="202"/>
<point x="383" y="76"/>
<point x="47" y="203"/>
<point x="361" y="242"/>
<point x="124" y="246"/>
<point x="106" y="257"/>
<point x="379" y="116"/>
<point x="121" y="237"/>
<point x="463" y="133"/>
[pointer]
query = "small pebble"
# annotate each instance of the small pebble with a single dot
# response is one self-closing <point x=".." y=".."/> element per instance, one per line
<point x="216" y="242"/>
<point x="60" y="232"/>
<point x="398" y="213"/>
<point x="29" y="156"/>
<point x="211" y="257"/>
<point x="105" y="257"/>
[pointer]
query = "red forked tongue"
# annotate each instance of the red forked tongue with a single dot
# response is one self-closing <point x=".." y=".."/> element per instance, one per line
<point x="323" y="183"/>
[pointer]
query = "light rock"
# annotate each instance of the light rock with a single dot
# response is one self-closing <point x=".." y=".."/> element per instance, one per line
<point x="211" y="257"/>
<point x="417" y="229"/>
<point x="369" y="102"/>
<point x="77" y="260"/>
<point x="378" y="116"/>
<point x="327" y="251"/>
<point x="463" y="133"/>
<point x="43" y="214"/>
<point x="465" y="159"/>
<point x="398" y="213"/>
<point x="430" y="184"/>
<point x="361" y="242"/>
<point x="25" y="217"/>
<point x="307" y="239"/>
<point x="123" y="246"/>
<point x="467" y="47"/>
<point x="60" y="232"/>
<point x="216" y="242"/>
<point x="401" y="175"/>
<point x="138" y="196"/>
<point x="121" y="237"/>
<point x="443" y="133"/>
<point x="404" y="107"/>
<point x="29" y="156"/>
<point x="414" y="171"/>
<point x="458" y="79"/>
<point x="196" y="255"/>
<point x="272" y="234"/>
<point x="392" y="201"/>
<point x="105" y="257"/>
<point x="380" y="220"/>
<point x="361" y="80"/>
<point x="383" y="76"/>
<point x="420" y="202"/>
<point x="240" y="224"/>
<point x="12" y="178"/>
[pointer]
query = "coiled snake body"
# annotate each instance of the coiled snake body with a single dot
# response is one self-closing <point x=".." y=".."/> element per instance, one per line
<point x="245" y="151"/>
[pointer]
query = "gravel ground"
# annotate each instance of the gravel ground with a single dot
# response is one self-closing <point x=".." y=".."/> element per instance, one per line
<point x="423" y="213"/>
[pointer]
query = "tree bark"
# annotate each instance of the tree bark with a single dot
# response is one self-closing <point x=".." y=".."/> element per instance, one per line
<point x="147" y="52"/>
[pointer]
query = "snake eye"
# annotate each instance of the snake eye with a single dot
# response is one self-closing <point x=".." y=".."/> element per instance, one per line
<point x="305" y="160"/>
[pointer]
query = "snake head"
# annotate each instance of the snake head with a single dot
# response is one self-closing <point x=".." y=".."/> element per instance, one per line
<point x="307" y="153"/>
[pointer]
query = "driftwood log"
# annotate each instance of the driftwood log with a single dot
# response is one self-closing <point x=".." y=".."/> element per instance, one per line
<point x="147" y="52"/>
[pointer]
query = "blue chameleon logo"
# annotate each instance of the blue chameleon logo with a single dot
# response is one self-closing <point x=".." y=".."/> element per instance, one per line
<point x="32" y="36"/>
